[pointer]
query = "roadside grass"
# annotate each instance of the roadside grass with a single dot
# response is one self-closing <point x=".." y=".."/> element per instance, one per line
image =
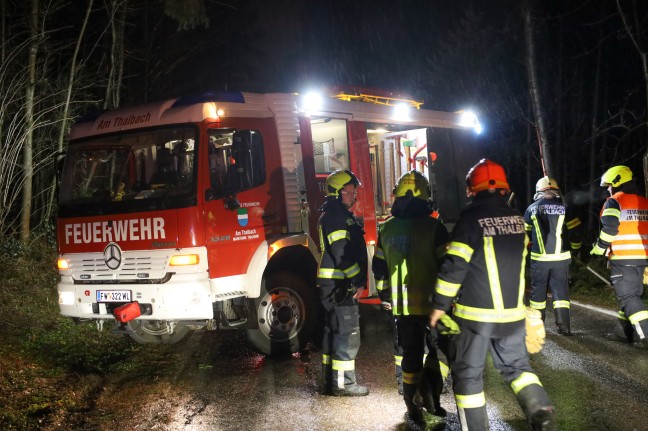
<point x="50" y="367"/>
<point x="573" y="390"/>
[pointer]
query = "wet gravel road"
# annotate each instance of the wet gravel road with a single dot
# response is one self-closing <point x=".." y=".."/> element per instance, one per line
<point x="596" y="384"/>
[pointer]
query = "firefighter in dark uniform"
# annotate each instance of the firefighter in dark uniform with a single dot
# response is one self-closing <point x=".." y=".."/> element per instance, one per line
<point x="624" y="238"/>
<point x="484" y="269"/>
<point x="553" y="231"/>
<point x="341" y="274"/>
<point x="410" y="245"/>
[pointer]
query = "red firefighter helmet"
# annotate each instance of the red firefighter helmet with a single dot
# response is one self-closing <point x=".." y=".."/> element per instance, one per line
<point x="487" y="175"/>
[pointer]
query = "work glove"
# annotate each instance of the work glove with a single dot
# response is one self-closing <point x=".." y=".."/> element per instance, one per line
<point x="596" y="250"/>
<point x="535" y="331"/>
<point x="447" y="326"/>
<point x="386" y="305"/>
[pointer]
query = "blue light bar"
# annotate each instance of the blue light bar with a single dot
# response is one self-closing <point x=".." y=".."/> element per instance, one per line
<point x="218" y="96"/>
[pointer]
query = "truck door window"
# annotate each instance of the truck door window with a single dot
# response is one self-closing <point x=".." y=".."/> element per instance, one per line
<point x="120" y="172"/>
<point x="236" y="161"/>
<point x="330" y="144"/>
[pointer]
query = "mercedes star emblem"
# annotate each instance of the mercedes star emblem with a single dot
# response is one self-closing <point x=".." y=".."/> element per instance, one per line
<point x="112" y="256"/>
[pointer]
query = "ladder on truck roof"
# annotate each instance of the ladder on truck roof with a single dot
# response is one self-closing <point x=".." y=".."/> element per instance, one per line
<point x="375" y="97"/>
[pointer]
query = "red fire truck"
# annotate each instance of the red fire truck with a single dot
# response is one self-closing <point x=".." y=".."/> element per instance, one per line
<point x="201" y="212"/>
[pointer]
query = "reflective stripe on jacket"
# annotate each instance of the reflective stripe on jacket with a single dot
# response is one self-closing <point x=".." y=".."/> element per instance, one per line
<point x="344" y="252"/>
<point x="624" y="220"/>
<point x="551" y="228"/>
<point x="405" y="264"/>
<point x="484" y="265"/>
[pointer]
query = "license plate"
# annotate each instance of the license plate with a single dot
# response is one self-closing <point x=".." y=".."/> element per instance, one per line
<point x="113" y="296"/>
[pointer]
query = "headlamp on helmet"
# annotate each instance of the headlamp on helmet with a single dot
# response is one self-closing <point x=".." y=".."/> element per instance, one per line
<point x="336" y="181"/>
<point x="487" y="175"/>
<point x="615" y="176"/>
<point x="415" y="184"/>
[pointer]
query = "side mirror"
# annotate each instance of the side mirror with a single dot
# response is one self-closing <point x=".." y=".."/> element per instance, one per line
<point x="232" y="203"/>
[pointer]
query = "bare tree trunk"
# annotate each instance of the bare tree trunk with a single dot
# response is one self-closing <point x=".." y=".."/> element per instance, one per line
<point x="534" y="91"/>
<point x="560" y="168"/>
<point x="643" y="55"/>
<point x="28" y="163"/>
<point x="3" y="56"/>
<point x="592" y="219"/>
<point x="3" y="10"/>
<point x="113" y="88"/>
<point x="66" y="105"/>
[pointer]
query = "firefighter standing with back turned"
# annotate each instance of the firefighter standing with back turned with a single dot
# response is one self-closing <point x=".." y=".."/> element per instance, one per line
<point x="410" y="245"/>
<point x="484" y="269"/>
<point x="550" y="226"/>
<point x="341" y="274"/>
<point x="624" y="235"/>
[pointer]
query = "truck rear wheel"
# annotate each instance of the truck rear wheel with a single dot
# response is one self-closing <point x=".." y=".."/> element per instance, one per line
<point x="157" y="332"/>
<point x="287" y="315"/>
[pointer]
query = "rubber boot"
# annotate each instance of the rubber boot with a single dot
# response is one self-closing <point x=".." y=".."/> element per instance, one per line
<point x="537" y="407"/>
<point x="326" y="379"/>
<point x="414" y="413"/>
<point x="625" y="332"/>
<point x="352" y="390"/>
<point x="430" y="389"/>
<point x="399" y="378"/>
<point x="473" y="418"/>
<point x="543" y="313"/>
<point x="563" y="321"/>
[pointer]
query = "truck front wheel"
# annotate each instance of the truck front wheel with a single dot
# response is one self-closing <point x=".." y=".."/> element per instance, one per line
<point x="157" y="332"/>
<point x="287" y="315"/>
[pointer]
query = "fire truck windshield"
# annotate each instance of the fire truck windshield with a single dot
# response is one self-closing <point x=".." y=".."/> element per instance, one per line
<point x="134" y="171"/>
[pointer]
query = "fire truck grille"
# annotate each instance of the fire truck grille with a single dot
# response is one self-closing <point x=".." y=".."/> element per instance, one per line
<point x="145" y="269"/>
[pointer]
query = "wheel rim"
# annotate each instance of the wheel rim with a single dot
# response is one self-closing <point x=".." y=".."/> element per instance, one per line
<point x="153" y="327"/>
<point x="280" y="314"/>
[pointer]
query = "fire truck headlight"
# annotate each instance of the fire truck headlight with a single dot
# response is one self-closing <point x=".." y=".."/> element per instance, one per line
<point x="62" y="264"/>
<point x="184" y="259"/>
<point x="66" y="298"/>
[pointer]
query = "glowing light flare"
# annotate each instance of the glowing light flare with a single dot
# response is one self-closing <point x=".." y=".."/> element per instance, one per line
<point x="184" y="260"/>
<point x="469" y="120"/>
<point x="62" y="264"/>
<point x="312" y="102"/>
<point x="210" y="110"/>
<point x="66" y="298"/>
<point x="401" y="112"/>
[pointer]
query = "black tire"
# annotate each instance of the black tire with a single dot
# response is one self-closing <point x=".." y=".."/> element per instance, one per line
<point x="287" y="314"/>
<point x="156" y="332"/>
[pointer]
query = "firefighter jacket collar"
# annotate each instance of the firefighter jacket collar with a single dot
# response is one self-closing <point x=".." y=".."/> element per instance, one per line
<point x="409" y="207"/>
<point x="331" y="201"/>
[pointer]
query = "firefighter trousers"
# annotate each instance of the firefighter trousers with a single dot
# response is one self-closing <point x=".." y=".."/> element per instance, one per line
<point x="468" y="352"/>
<point x="627" y="281"/>
<point x="413" y="337"/>
<point x="341" y="342"/>
<point x="554" y="276"/>
<point x="431" y="342"/>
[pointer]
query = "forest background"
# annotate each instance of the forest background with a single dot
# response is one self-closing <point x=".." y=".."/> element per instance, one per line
<point x="563" y="79"/>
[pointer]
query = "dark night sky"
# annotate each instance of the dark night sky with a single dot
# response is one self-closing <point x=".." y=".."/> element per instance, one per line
<point x="451" y="54"/>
